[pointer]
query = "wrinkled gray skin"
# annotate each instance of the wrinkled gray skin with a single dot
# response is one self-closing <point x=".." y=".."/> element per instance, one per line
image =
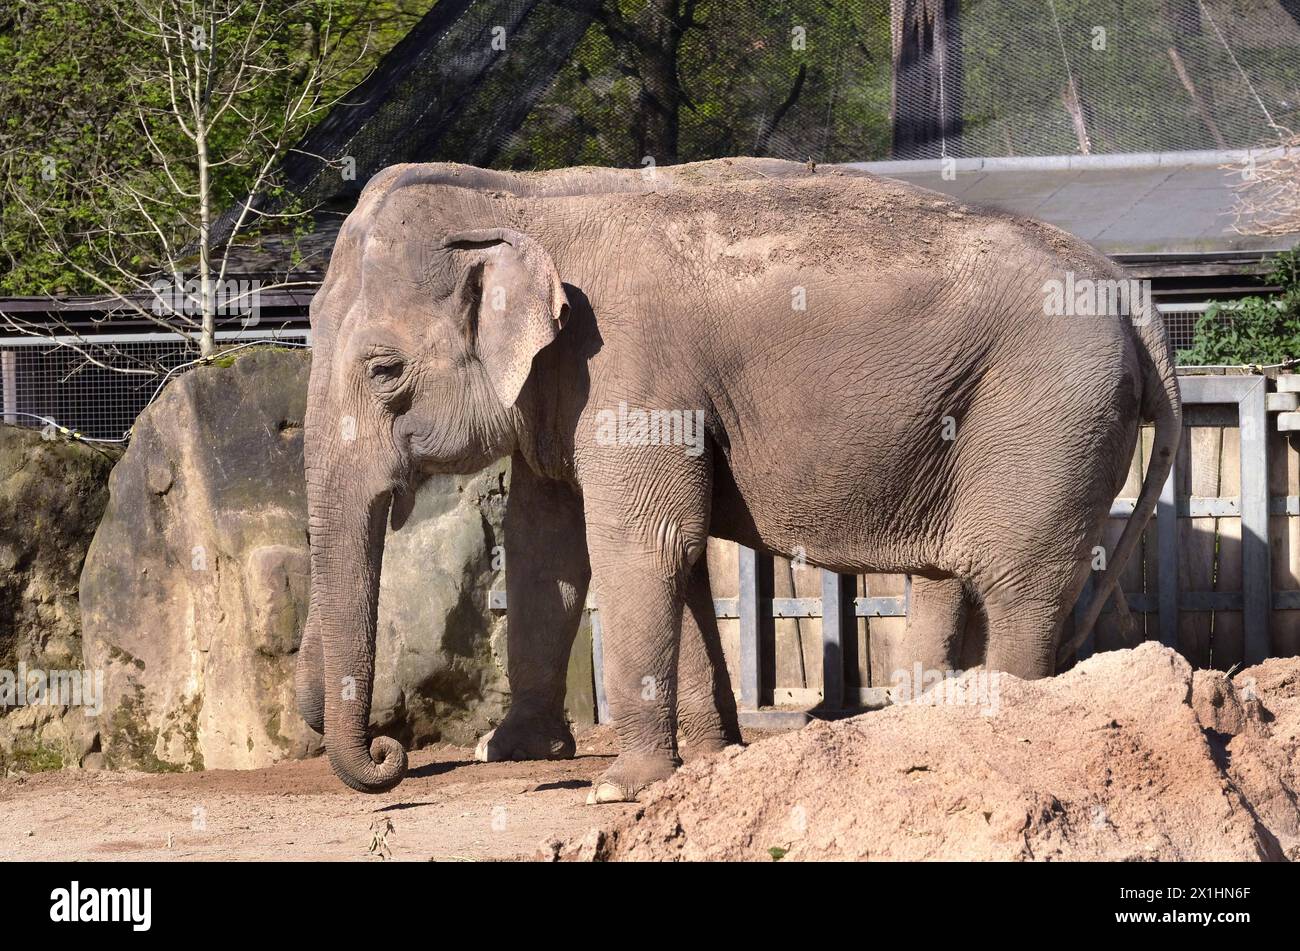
<point x="880" y="388"/>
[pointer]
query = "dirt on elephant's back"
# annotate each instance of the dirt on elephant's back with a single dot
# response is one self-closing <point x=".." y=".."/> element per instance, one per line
<point x="1131" y="755"/>
<point x="835" y="222"/>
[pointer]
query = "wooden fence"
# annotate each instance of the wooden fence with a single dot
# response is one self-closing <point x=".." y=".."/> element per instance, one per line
<point x="1217" y="575"/>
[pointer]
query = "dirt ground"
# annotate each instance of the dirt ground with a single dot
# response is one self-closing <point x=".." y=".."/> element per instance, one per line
<point x="1131" y="755"/>
<point x="448" y="808"/>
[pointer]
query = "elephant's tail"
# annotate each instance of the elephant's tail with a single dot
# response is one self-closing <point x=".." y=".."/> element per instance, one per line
<point x="1161" y="405"/>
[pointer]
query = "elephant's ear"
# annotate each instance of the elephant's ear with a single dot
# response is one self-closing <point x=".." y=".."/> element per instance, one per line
<point x="512" y="301"/>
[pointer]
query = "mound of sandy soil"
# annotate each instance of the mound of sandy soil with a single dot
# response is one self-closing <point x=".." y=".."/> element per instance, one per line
<point x="1131" y="755"/>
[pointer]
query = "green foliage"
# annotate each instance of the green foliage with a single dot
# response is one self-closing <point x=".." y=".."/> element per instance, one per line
<point x="738" y="67"/>
<point x="738" y="71"/>
<point x="32" y="758"/>
<point x="227" y="359"/>
<point x="1258" y="330"/>
<point x="743" y="83"/>
<point x="84" y="85"/>
<point x="62" y="72"/>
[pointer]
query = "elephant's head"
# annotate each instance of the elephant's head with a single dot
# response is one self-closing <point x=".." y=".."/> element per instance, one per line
<point x="422" y="343"/>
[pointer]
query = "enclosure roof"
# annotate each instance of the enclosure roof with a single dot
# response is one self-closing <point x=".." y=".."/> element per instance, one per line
<point x="1167" y="214"/>
<point x="1175" y="203"/>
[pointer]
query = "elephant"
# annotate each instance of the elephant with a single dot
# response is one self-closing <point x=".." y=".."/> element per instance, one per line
<point x="550" y="537"/>
<point x="793" y="358"/>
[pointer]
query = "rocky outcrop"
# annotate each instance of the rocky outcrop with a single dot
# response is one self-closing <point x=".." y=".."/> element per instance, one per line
<point x="195" y="589"/>
<point x="440" y="655"/>
<point x="52" y="493"/>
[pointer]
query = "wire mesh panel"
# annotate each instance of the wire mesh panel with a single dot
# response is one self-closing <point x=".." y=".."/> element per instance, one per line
<point x="96" y="386"/>
<point x="1165" y="76"/>
<point x="1180" y="323"/>
<point x="551" y="83"/>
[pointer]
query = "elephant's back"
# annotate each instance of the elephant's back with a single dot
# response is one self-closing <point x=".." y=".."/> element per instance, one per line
<point x="832" y="222"/>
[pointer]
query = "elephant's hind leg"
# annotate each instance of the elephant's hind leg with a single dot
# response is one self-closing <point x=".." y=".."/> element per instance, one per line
<point x="936" y="621"/>
<point x="706" y="707"/>
<point x="1026" y="616"/>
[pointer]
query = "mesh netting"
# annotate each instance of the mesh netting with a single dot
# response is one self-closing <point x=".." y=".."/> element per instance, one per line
<point x="462" y="81"/>
<point x="1103" y="76"/>
<point x="548" y="83"/>
<point x="73" y="385"/>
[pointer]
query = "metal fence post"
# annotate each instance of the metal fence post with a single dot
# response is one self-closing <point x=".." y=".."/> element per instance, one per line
<point x="1080" y="609"/>
<point x="833" y="640"/>
<point x="9" y="384"/>
<point x="1167" y="546"/>
<point x="1256" y="563"/>
<point x="747" y="608"/>
<point x="598" y="667"/>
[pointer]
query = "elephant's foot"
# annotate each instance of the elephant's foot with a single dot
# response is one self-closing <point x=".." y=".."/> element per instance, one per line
<point x="522" y="738"/>
<point x="629" y="774"/>
<point x="705" y="731"/>
<point x="696" y="747"/>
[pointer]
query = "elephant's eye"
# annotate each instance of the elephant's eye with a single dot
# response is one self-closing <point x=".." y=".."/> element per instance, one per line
<point x="385" y="370"/>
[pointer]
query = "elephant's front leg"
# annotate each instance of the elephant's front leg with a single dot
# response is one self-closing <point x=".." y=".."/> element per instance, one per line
<point x="643" y="548"/>
<point x="547" y="572"/>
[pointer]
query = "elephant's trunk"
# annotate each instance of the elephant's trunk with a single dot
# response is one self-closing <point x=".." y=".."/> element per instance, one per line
<point x="347" y="547"/>
<point x="309" y="677"/>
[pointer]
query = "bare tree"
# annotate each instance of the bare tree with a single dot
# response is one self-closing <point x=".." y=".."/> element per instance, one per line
<point x="219" y="90"/>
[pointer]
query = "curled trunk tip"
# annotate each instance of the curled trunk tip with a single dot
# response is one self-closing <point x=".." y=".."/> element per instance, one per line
<point x="375" y="771"/>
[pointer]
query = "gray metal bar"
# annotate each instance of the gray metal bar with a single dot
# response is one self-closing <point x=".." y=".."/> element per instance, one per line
<point x="748" y="612"/>
<point x="796" y="607"/>
<point x="832" y="640"/>
<point x="1216" y="389"/>
<point x="729" y="608"/>
<point x="1256" y="562"/>
<point x="1167" y="545"/>
<point x="222" y="336"/>
<point x="880" y="607"/>
<point x="9" y="385"/>
<point x="812" y="607"/>
<point x="1141" y="603"/>
<point x="774" y="719"/>
<point x="1038" y="163"/>
<point x="598" y="667"/>
<point x="1227" y="506"/>
<point x="1081" y="608"/>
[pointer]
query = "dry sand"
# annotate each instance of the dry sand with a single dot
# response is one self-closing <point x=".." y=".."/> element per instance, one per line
<point x="1128" y="756"/>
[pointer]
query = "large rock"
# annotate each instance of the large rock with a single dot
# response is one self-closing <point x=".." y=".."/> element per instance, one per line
<point x="52" y="493"/>
<point x="440" y="656"/>
<point x="194" y="592"/>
